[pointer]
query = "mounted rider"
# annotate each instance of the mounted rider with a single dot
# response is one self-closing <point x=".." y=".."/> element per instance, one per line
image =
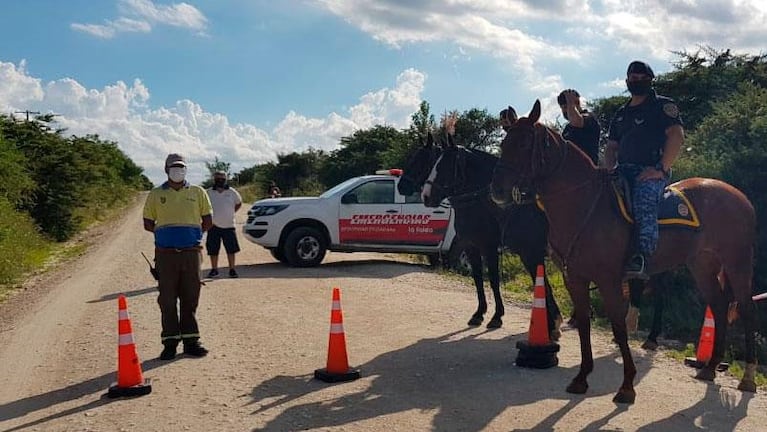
<point x="644" y="140"/>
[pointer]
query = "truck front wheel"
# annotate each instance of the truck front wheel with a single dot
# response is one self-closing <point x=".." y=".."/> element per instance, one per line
<point x="304" y="247"/>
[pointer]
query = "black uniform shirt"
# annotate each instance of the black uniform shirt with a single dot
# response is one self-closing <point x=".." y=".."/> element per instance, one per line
<point x="586" y="137"/>
<point x="641" y="130"/>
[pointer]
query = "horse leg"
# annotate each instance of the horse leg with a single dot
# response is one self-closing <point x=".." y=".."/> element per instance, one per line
<point x="709" y="285"/>
<point x="475" y="259"/>
<point x="657" y="299"/>
<point x="579" y="291"/>
<point x="491" y="259"/>
<point x="738" y="279"/>
<point x="615" y="307"/>
<point x="636" y="289"/>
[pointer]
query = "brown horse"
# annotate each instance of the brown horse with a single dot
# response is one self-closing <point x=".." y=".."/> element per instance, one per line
<point x="591" y="240"/>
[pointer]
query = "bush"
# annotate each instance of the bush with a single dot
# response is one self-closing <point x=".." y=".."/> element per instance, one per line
<point x="22" y="245"/>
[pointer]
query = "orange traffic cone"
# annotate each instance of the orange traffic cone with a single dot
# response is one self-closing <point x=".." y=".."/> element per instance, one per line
<point x="706" y="344"/>
<point x="538" y="351"/>
<point x="130" y="380"/>
<point x="337" y="369"/>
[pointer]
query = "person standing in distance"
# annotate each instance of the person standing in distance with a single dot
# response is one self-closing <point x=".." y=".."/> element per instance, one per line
<point x="178" y="213"/>
<point x="225" y="201"/>
<point x="582" y="128"/>
<point x="645" y="138"/>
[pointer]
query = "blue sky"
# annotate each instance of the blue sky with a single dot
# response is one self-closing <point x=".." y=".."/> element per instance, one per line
<point x="248" y="79"/>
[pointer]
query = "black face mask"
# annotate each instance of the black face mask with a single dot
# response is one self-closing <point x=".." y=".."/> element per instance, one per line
<point x="639" y="88"/>
<point x="219" y="183"/>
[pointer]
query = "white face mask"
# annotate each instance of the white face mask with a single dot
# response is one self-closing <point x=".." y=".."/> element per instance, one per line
<point x="177" y="174"/>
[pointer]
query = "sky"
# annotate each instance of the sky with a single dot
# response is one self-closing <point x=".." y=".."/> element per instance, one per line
<point x="246" y="80"/>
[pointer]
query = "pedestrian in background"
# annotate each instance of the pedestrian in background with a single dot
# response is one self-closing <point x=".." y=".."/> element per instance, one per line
<point x="225" y="201"/>
<point x="178" y="213"/>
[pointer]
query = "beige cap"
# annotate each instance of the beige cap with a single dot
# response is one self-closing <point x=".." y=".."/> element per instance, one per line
<point x="175" y="159"/>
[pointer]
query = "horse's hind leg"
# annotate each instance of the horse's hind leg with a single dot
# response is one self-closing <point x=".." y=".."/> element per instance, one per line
<point x="475" y="259"/>
<point x="705" y="275"/>
<point x="738" y="279"/>
<point x="491" y="259"/>
<point x="658" y="301"/>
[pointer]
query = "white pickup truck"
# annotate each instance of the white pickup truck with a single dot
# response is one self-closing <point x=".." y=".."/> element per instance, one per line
<point x="362" y="214"/>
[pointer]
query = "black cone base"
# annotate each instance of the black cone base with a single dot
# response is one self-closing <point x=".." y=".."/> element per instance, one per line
<point x="537" y="356"/>
<point x="324" y="375"/>
<point x="695" y="363"/>
<point x="137" y="390"/>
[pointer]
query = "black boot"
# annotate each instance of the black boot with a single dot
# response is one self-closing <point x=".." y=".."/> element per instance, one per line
<point x="169" y="352"/>
<point x="194" y="349"/>
<point x="636" y="268"/>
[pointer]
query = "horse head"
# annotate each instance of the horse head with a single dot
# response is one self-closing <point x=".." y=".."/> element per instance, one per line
<point x="418" y="166"/>
<point x="448" y="175"/>
<point x="530" y="152"/>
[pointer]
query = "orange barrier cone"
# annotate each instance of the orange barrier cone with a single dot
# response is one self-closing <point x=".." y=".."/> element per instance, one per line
<point x="130" y="380"/>
<point x="337" y="369"/>
<point x="539" y="329"/>
<point x="705" y="344"/>
<point x="538" y="351"/>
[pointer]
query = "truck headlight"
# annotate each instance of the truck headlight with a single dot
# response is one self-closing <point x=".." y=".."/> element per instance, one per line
<point x="267" y="210"/>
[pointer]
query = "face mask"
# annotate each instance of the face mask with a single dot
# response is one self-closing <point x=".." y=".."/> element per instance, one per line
<point x="177" y="174"/>
<point x="219" y="183"/>
<point x="639" y="88"/>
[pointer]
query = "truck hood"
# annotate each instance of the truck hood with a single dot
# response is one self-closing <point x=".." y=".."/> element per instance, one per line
<point x="286" y="201"/>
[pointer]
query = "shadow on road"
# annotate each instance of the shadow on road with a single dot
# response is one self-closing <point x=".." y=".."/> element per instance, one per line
<point x="366" y="269"/>
<point x="129" y="294"/>
<point x="22" y="407"/>
<point x="467" y="380"/>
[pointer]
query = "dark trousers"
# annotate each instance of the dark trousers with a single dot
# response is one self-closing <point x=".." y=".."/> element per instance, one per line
<point x="179" y="284"/>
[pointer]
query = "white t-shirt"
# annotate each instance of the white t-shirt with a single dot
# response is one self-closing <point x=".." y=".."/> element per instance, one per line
<point x="223" y="206"/>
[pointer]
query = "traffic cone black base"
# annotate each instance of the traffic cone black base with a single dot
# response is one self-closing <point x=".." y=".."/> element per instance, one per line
<point x="537" y="356"/>
<point x="695" y="363"/>
<point x="328" y="377"/>
<point x="138" y="390"/>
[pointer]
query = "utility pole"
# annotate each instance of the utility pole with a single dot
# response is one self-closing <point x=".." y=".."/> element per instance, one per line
<point x="27" y="112"/>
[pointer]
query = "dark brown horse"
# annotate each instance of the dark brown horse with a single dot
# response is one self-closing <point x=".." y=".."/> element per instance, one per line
<point x="591" y="240"/>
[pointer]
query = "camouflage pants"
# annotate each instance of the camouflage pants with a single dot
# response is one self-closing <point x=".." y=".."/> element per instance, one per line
<point x="646" y="195"/>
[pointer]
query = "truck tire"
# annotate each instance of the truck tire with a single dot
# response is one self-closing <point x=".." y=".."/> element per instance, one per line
<point x="304" y="247"/>
<point x="458" y="258"/>
<point x="435" y="260"/>
<point x="279" y="255"/>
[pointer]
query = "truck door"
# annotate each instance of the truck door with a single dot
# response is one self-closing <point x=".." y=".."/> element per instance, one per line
<point x="425" y="226"/>
<point x="370" y="215"/>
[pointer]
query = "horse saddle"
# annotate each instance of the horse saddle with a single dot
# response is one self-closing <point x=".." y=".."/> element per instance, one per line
<point x="674" y="209"/>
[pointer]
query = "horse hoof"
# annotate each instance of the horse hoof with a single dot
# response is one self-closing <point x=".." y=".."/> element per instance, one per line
<point x="577" y="387"/>
<point x="495" y="323"/>
<point x="555" y="335"/>
<point x="625" y="397"/>
<point x="650" y="345"/>
<point x="706" y="375"/>
<point x="747" y="386"/>
<point x="475" y="321"/>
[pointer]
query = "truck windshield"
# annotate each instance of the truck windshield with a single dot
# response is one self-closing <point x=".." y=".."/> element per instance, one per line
<point x="332" y="191"/>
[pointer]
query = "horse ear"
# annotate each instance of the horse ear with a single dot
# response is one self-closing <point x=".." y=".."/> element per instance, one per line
<point x="511" y="114"/>
<point x="535" y="114"/>
<point x="429" y="140"/>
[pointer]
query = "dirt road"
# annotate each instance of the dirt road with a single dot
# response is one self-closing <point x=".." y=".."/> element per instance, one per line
<point x="422" y="368"/>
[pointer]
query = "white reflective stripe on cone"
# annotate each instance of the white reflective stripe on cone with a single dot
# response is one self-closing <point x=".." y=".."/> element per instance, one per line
<point x="539" y="281"/>
<point x="708" y="322"/>
<point x="336" y="305"/>
<point x="122" y="314"/>
<point x="336" y="328"/>
<point x="125" y="339"/>
<point x="539" y="303"/>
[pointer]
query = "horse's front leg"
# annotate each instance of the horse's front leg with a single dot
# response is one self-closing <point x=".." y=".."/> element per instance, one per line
<point x="616" y="307"/>
<point x="491" y="259"/>
<point x="579" y="292"/>
<point x="475" y="259"/>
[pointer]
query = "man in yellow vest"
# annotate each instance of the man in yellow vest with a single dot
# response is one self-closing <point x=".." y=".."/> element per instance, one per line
<point x="178" y="213"/>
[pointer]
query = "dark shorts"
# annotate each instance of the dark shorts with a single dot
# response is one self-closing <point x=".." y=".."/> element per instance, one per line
<point x="216" y="235"/>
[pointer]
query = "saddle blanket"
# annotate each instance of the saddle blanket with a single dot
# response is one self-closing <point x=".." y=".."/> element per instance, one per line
<point x="674" y="210"/>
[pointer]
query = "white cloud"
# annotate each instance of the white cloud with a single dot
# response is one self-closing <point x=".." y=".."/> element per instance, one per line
<point x="140" y="15"/>
<point x="121" y="112"/>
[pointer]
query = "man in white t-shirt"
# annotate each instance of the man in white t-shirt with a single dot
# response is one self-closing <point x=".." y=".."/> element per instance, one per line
<point x="226" y="201"/>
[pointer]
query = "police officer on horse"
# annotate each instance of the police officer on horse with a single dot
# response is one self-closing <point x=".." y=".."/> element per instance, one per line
<point x="644" y="140"/>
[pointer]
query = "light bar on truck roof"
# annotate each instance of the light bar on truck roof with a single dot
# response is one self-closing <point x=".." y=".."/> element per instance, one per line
<point x="392" y="171"/>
